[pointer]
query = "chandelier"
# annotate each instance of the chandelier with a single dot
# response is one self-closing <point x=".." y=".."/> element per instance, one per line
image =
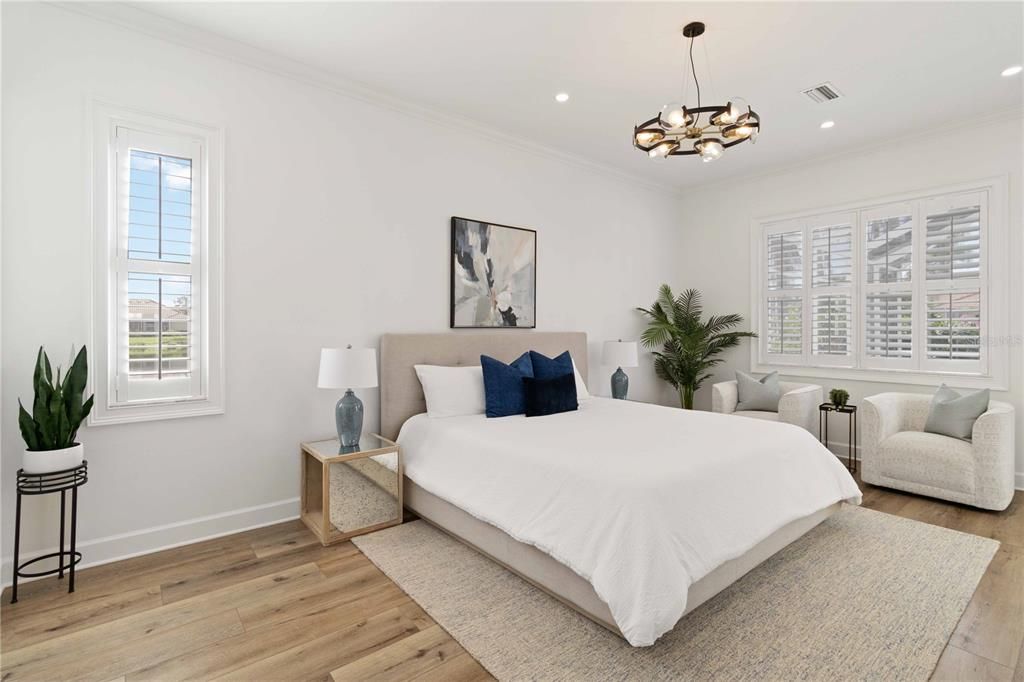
<point x="679" y="130"/>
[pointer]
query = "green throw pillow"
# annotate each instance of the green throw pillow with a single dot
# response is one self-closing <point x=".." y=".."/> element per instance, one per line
<point x="952" y="414"/>
<point x="753" y="394"/>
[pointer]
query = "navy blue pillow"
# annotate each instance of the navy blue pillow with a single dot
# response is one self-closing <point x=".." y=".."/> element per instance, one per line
<point x="549" y="368"/>
<point x="503" y="385"/>
<point x="550" y="396"/>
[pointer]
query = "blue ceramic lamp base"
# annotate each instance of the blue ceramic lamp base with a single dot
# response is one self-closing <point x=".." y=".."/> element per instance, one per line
<point x="620" y="384"/>
<point x="348" y="415"/>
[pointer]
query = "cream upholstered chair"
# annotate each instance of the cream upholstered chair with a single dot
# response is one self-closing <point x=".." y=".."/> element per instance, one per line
<point x="897" y="453"/>
<point x="798" y="404"/>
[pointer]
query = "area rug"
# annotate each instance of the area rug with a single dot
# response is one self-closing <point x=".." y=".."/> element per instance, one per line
<point x="864" y="596"/>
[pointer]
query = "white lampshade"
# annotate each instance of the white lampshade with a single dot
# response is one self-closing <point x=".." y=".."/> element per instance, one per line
<point x="347" y="368"/>
<point x="619" y="354"/>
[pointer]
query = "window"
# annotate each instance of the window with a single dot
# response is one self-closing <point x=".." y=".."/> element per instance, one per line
<point x="783" y="314"/>
<point x="893" y="288"/>
<point x="831" y="240"/>
<point x="157" y="284"/>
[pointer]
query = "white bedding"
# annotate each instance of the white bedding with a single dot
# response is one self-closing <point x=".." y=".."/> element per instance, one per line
<point x="639" y="500"/>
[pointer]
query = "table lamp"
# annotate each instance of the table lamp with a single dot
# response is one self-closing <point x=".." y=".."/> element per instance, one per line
<point x="619" y="354"/>
<point x="347" y="368"/>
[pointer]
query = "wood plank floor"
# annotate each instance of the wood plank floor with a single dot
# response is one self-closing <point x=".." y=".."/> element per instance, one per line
<point x="272" y="604"/>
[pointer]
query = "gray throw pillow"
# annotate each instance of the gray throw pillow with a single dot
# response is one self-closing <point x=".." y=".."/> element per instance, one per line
<point x="952" y="414"/>
<point x="762" y="395"/>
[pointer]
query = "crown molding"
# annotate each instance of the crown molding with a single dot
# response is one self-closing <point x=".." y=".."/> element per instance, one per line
<point x="952" y="126"/>
<point x="133" y="18"/>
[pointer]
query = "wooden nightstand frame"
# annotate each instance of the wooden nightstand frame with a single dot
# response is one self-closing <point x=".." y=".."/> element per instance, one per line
<point x="315" y="483"/>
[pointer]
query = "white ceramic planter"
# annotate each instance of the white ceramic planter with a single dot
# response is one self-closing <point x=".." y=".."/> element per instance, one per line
<point x="46" y="461"/>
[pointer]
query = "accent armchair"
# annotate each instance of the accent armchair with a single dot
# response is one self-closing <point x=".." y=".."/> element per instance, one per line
<point x="897" y="453"/>
<point x="798" y="404"/>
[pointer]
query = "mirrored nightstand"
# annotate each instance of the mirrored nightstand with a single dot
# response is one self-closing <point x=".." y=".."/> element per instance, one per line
<point x="351" y="491"/>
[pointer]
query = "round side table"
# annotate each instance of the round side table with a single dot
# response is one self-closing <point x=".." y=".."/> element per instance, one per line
<point x="43" y="484"/>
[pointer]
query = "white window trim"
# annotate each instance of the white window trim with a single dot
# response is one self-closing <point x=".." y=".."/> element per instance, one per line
<point x="103" y="120"/>
<point x="995" y="304"/>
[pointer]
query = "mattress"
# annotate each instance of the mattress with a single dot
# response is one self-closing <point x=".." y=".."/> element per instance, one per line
<point x="640" y="501"/>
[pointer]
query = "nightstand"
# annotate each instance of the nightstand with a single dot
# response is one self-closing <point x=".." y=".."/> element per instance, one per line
<point x="350" y="491"/>
<point x="851" y="449"/>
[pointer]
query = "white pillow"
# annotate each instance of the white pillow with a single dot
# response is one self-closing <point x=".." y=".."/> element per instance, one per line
<point x="581" y="386"/>
<point x="452" y="391"/>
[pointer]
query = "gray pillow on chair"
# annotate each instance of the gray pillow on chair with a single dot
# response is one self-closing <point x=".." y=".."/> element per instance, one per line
<point x="762" y="395"/>
<point x="952" y="414"/>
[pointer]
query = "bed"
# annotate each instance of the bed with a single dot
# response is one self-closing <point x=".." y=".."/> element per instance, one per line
<point x="632" y="514"/>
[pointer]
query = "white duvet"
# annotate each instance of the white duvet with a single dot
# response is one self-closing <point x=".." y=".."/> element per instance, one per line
<point x="639" y="500"/>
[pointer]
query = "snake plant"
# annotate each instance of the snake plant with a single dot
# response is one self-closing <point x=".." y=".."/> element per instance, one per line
<point x="58" y="408"/>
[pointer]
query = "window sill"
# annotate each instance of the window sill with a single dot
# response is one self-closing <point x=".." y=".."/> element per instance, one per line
<point x="900" y="377"/>
<point x="154" y="411"/>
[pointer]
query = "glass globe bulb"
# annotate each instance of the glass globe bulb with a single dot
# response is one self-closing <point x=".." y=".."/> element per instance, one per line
<point x="646" y="138"/>
<point x="674" y="115"/>
<point x="663" y="150"/>
<point x="738" y="131"/>
<point x="709" y="150"/>
<point x="734" y="109"/>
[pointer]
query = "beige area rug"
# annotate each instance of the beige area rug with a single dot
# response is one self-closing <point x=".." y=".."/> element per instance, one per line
<point x="864" y="596"/>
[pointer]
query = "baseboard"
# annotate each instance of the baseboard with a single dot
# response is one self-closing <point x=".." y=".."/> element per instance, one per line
<point x="149" y="540"/>
<point x="839" y="450"/>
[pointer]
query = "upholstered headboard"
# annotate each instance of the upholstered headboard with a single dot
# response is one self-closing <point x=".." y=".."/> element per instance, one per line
<point x="401" y="395"/>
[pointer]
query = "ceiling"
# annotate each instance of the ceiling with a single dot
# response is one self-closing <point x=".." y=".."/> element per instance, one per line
<point x="903" y="68"/>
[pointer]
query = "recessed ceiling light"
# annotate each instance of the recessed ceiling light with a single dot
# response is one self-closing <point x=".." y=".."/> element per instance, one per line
<point x="562" y="97"/>
<point x="1013" y="70"/>
<point x="827" y="124"/>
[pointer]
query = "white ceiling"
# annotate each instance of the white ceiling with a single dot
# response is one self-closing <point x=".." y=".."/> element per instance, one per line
<point x="903" y="67"/>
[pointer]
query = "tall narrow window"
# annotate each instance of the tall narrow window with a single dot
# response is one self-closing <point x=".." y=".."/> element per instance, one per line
<point x="832" y="261"/>
<point x="158" y="242"/>
<point x="784" y="283"/>
<point x="954" y="283"/>
<point x="159" y="180"/>
<point x="888" y="328"/>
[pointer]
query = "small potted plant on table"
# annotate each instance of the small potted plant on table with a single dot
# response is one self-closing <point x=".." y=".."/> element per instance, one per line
<point x="57" y="411"/>
<point x="839" y="397"/>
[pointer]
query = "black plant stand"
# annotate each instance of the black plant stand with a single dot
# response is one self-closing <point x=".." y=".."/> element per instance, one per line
<point x="43" y="484"/>
<point x="851" y="410"/>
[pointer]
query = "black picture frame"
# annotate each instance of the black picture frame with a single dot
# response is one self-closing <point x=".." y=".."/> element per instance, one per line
<point x="456" y="222"/>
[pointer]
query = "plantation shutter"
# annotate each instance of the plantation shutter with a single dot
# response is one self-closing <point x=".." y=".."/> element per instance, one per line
<point x="158" y="275"/>
<point x="888" y="325"/>
<point x="785" y="325"/>
<point x="888" y="318"/>
<point x="832" y="263"/>
<point x="954" y="301"/>
<point x="954" y="326"/>
<point x="785" y="260"/>
<point x="953" y="244"/>
<point x="832" y="324"/>
<point x="782" y="327"/>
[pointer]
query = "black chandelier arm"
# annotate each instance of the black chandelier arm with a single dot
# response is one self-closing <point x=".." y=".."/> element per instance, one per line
<point x="726" y="145"/>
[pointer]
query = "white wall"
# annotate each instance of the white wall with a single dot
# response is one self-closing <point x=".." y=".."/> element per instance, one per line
<point x="334" y="234"/>
<point x="717" y="222"/>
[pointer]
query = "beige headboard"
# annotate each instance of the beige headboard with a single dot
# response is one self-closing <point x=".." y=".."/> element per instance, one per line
<point x="401" y="396"/>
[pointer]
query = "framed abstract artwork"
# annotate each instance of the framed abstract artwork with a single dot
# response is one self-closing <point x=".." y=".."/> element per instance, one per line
<point x="494" y="275"/>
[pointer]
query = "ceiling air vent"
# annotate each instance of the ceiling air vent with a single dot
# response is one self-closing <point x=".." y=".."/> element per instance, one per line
<point x="826" y="92"/>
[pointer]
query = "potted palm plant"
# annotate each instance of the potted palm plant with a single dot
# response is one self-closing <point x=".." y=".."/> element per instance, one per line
<point x="58" y="409"/>
<point x="689" y="344"/>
